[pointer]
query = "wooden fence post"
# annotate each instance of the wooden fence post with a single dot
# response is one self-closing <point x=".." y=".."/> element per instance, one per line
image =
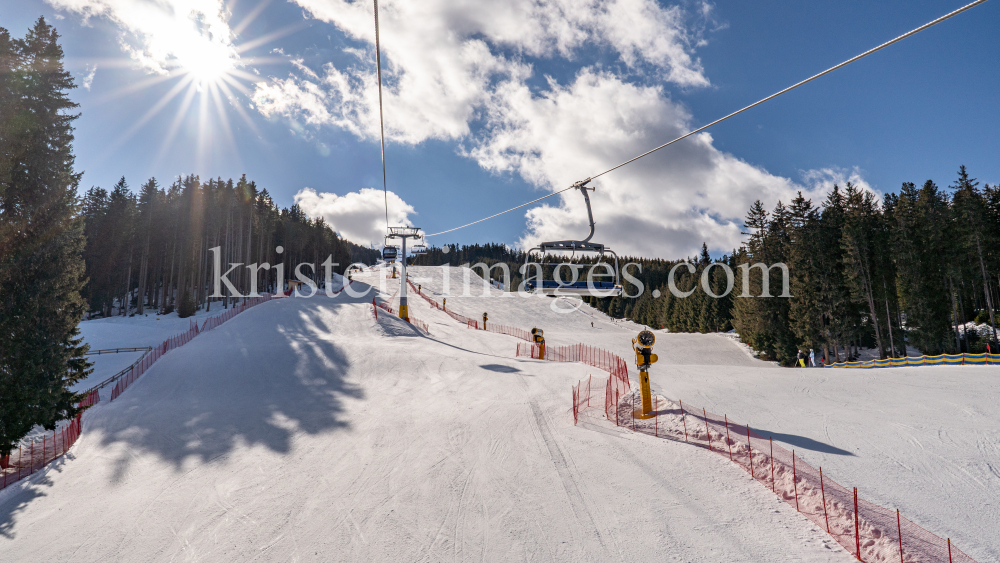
<point x="822" y="490"/>
<point x="684" y="421"/>
<point x="795" y="482"/>
<point x="729" y="442"/>
<point x="857" y="534"/>
<point x="708" y="435"/>
<point x="899" y="530"/>
<point x="771" y="439"/>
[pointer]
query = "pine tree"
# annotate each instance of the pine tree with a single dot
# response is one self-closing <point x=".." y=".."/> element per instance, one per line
<point x="974" y="237"/>
<point x="920" y="234"/>
<point x="861" y="241"/>
<point x="41" y="354"/>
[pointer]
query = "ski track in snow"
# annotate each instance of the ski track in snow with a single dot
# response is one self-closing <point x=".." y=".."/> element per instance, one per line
<point x="305" y="430"/>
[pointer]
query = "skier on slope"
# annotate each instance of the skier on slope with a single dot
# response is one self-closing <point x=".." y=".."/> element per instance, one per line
<point x="801" y="359"/>
<point x="812" y="357"/>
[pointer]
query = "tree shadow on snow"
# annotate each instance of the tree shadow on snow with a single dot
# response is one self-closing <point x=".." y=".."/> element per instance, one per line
<point x="18" y="496"/>
<point x="258" y="380"/>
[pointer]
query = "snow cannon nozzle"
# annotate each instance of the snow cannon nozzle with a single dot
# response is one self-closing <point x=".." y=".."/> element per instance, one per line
<point x="538" y="337"/>
<point x="644" y="357"/>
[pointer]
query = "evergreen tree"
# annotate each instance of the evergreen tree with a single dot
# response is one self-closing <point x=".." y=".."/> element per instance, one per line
<point x="975" y="239"/>
<point x="41" y="354"/>
<point x="862" y="242"/>
<point x="921" y="237"/>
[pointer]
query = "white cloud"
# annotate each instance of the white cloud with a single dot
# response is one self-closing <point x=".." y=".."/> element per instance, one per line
<point x="165" y="34"/>
<point x="823" y="179"/>
<point x="664" y="205"/>
<point x="442" y="58"/>
<point x="455" y="71"/>
<point x="357" y="216"/>
<point x="88" y="77"/>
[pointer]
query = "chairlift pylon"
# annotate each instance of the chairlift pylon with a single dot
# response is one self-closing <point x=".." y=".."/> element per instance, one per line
<point x="574" y="286"/>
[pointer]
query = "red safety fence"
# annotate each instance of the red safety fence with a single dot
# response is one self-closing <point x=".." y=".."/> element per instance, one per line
<point x="618" y="384"/>
<point x="581" y="398"/>
<point x="421" y="325"/>
<point x="181" y="339"/>
<point x="868" y="531"/>
<point x="490" y="326"/>
<point x="137" y="370"/>
<point x="473" y="323"/>
<point x="37" y="453"/>
<point x="93" y="397"/>
<point x="233" y="311"/>
<point x="29" y="459"/>
<point x="590" y="355"/>
<point x="460" y="318"/>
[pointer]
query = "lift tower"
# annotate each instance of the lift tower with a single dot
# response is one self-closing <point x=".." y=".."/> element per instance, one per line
<point x="404" y="233"/>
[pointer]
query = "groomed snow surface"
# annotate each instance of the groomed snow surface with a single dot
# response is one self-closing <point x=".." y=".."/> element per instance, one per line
<point x="305" y="430"/>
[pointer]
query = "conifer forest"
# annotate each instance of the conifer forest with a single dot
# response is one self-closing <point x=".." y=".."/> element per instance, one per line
<point x="912" y="268"/>
<point x="150" y="250"/>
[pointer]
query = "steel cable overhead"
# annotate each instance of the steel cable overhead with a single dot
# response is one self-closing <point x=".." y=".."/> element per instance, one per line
<point x="720" y="120"/>
<point x="381" y="122"/>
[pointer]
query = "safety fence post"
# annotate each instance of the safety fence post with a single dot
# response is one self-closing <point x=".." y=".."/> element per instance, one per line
<point x="728" y="441"/>
<point x="949" y="550"/>
<point x="749" y="450"/>
<point x="615" y="391"/>
<point x="707" y="433"/>
<point x="822" y="490"/>
<point x="899" y="530"/>
<point x="857" y="534"/>
<point x="633" y="412"/>
<point x="795" y="482"/>
<point x="772" y="464"/>
<point x="575" y="411"/>
<point x="684" y="421"/>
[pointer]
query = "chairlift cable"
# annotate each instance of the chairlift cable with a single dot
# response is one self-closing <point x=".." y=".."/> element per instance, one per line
<point x="381" y="122"/>
<point x="720" y="120"/>
<point x="794" y="86"/>
<point x="502" y="212"/>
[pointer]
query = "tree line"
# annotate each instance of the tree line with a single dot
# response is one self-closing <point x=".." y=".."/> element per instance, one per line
<point x="696" y="313"/>
<point x="151" y="249"/>
<point x="908" y="270"/>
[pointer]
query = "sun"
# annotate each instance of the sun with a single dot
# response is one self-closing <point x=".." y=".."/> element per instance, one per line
<point x="208" y="71"/>
<point x="207" y="63"/>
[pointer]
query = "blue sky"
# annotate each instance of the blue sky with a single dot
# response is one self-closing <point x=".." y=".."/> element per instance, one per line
<point x="489" y="106"/>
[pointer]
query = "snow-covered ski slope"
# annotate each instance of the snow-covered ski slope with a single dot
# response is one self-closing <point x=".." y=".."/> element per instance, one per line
<point x="925" y="440"/>
<point x="304" y="430"/>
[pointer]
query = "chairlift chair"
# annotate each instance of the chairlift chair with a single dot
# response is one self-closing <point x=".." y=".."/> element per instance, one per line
<point x="419" y="249"/>
<point x="389" y="253"/>
<point x="558" y="287"/>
